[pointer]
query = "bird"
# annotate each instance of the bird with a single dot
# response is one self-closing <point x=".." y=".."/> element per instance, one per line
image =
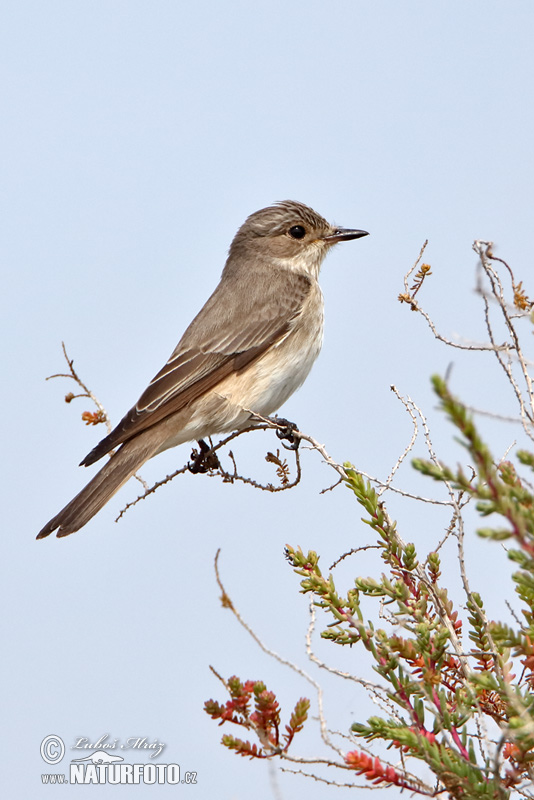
<point x="249" y="348"/>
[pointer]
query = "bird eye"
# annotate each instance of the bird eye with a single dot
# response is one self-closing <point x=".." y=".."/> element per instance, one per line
<point x="297" y="232"/>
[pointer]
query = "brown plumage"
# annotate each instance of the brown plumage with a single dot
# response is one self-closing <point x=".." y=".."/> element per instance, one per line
<point x="250" y="347"/>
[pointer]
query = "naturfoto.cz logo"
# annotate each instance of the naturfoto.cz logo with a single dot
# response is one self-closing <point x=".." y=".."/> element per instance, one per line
<point x="102" y="767"/>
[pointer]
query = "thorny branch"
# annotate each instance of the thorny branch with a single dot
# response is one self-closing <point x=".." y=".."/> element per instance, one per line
<point x="232" y="475"/>
<point x="508" y="352"/>
<point x="521" y="304"/>
<point x="89" y="417"/>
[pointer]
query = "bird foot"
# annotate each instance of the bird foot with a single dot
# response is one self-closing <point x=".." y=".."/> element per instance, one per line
<point x="204" y="459"/>
<point x="288" y="433"/>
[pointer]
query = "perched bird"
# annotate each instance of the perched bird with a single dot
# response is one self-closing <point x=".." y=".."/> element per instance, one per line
<point x="250" y="347"/>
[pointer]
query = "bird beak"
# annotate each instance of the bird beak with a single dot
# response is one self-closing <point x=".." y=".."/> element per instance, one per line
<point x="344" y="235"/>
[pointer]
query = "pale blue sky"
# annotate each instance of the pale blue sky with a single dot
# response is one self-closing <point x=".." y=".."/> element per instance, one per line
<point x="136" y="137"/>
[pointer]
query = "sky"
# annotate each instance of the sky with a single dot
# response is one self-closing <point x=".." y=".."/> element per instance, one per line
<point x="136" y="138"/>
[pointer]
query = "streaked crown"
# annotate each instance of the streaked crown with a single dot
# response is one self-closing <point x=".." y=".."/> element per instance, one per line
<point x="289" y="235"/>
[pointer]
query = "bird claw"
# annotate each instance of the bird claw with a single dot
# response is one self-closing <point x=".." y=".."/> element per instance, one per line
<point x="203" y="459"/>
<point x="287" y="433"/>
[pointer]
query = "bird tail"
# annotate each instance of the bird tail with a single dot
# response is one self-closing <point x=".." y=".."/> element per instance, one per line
<point x="120" y="467"/>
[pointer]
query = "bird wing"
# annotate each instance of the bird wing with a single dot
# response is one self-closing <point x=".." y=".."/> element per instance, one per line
<point x="232" y="330"/>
